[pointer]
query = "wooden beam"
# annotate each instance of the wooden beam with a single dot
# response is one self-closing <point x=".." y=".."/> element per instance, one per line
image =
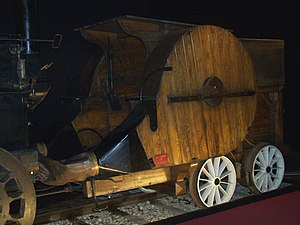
<point x="127" y="182"/>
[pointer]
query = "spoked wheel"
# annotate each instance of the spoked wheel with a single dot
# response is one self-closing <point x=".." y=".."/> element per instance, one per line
<point x="17" y="193"/>
<point x="213" y="182"/>
<point x="264" y="165"/>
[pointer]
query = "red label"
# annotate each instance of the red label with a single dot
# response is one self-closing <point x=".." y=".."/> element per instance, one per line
<point x="161" y="159"/>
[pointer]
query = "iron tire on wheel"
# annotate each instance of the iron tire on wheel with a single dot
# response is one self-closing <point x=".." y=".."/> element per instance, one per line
<point x="264" y="168"/>
<point x="213" y="182"/>
<point x="17" y="193"/>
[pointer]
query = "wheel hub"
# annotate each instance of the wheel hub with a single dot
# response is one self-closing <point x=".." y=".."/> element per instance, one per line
<point x="268" y="169"/>
<point x="217" y="181"/>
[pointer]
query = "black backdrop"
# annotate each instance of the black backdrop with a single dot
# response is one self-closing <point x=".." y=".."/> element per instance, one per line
<point x="250" y="18"/>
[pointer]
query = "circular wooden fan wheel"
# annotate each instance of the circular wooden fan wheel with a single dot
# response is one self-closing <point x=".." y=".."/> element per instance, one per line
<point x="17" y="193"/>
<point x="206" y="104"/>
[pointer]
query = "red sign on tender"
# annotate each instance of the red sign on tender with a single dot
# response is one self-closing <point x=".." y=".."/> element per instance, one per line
<point x="161" y="159"/>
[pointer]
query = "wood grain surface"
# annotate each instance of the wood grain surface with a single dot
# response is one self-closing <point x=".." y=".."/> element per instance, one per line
<point x="193" y="130"/>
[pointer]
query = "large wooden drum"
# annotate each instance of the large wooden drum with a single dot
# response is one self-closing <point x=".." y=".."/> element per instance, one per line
<point x="206" y="103"/>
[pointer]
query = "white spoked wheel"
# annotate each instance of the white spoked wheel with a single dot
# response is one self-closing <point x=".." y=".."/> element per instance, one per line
<point x="213" y="182"/>
<point x="265" y="165"/>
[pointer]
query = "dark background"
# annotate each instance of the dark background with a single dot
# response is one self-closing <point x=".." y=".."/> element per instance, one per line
<point x="250" y="18"/>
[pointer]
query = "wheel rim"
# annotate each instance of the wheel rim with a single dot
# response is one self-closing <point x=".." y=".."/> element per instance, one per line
<point x="268" y="168"/>
<point x="17" y="193"/>
<point x="216" y="181"/>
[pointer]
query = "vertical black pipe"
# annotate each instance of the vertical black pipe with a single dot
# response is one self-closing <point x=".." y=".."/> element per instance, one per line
<point x="27" y="23"/>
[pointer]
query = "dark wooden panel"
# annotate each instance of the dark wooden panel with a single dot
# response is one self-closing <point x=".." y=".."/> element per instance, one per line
<point x="268" y="122"/>
<point x="268" y="59"/>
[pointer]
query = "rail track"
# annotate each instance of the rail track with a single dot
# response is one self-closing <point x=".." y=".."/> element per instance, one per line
<point x="68" y="206"/>
<point x="140" y="206"/>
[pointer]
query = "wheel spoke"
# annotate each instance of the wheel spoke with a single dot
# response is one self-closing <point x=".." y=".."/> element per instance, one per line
<point x="258" y="163"/>
<point x="259" y="175"/>
<point x="218" y="197"/>
<point x="211" y="196"/>
<point x="274" y="160"/>
<point x="272" y="152"/>
<point x="207" y="192"/>
<point x="216" y="165"/>
<point x="205" y="180"/>
<point x="261" y="158"/>
<point x="277" y="168"/>
<point x="211" y="168"/>
<point x="4" y="204"/>
<point x="227" y="183"/>
<point x="204" y="186"/>
<point x="260" y="181"/>
<point x="270" y="182"/>
<point x="265" y="183"/>
<point x="222" y="167"/>
<point x="207" y="174"/>
<point x="225" y="174"/>
<point x="265" y="153"/>
<point x="222" y="190"/>
<point x="273" y="175"/>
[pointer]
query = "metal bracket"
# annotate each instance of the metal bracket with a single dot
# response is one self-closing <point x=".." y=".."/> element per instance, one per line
<point x="212" y="93"/>
<point x="150" y="106"/>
